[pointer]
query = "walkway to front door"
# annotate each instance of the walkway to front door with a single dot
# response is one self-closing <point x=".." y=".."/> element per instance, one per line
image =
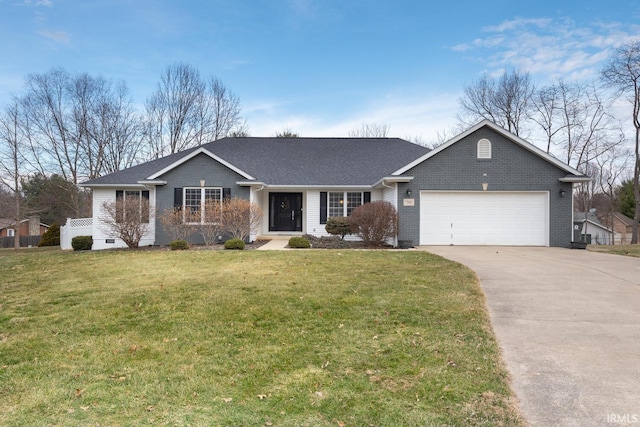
<point x="285" y="211"/>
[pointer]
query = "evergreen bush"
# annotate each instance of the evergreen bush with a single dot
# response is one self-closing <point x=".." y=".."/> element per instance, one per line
<point x="179" y="245"/>
<point x="51" y="237"/>
<point x="82" y="243"/>
<point x="234" y="244"/>
<point x="338" y="226"/>
<point x="299" y="242"/>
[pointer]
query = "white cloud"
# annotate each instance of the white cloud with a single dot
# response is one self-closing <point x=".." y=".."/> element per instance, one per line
<point x="548" y="48"/>
<point x="424" y="117"/>
<point x="516" y="23"/>
<point x="36" y="3"/>
<point x="57" y="36"/>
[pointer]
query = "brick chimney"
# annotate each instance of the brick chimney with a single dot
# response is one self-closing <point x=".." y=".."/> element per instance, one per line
<point x="34" y="226"/>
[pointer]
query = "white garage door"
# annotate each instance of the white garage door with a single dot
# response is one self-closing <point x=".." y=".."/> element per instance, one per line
<point x="484" y="218"/>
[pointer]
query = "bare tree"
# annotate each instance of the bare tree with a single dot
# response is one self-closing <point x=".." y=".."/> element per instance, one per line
<point x="78" y="127"/>
<point x="174" y="110"/>
<point x="240" y="217"/>
<point x="613" y="166"/>
<point x="287" y="133"/>
<point x="112" y="128"/>
<point x="575" y="122"/>
<point x="370" y="130"/>
<point x="225" y="106"/>
<point x="504" y="101"/>
<point x="12" y="160"/>
<point x="50" y="115"/>
<point x="176" y="225"/>
<point x="127" y="218"/>
<point x="186" y="111"/>
<point x="545" y="109"/>
<point x="211" y="226"/>
<point x="623" y="75"/>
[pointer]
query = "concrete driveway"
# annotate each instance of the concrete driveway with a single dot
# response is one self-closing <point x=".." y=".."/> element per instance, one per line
<point x="568" y="322"/>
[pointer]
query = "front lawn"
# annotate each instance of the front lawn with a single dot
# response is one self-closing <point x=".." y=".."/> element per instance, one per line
<point x="310" y="338"/>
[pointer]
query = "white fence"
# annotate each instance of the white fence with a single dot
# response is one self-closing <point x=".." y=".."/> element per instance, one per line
<point x="73" y="228"/>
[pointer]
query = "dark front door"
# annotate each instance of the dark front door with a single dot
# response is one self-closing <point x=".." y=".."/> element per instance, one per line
<point x="285" y="212"/>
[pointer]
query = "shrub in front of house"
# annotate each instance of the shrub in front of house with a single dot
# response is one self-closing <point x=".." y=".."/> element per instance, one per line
<point x="338" y="226"/>
<point x="179" y="245"/>
<point x="51" y="237"/>
<point x="234" y="244"/>
<point x="375" y="223"/>
<point x="82" y="243"/>
<point x="299" y="242"/>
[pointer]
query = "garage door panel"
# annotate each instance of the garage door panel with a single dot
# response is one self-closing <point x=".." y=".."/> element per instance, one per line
<point x="484" y="218"/>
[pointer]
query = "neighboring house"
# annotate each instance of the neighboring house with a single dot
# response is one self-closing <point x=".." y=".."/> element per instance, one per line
<point x="29" y="231"/>
<point x="623" y="226"/>
<point x="486" y="186"/>
<point x="27" y="227"/>
<point x="592" y="231"/>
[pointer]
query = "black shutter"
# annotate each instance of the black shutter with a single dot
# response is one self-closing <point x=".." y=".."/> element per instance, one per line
<point x="367" y="197"/>
<point x="323" y="207"/>
<point x="177" y="198"/>
<point x="226" y="194"/>
<point x="145" y="207"/>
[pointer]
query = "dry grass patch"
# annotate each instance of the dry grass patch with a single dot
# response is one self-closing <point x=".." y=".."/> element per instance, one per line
<point x="382" y="338"/>
<point x="628" y="250"/>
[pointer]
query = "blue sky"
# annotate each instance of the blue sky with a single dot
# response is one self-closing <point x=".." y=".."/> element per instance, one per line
<point x="317" y="67"/>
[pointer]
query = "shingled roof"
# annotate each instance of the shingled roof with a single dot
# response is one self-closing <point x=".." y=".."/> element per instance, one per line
<point x="291" y="161"/>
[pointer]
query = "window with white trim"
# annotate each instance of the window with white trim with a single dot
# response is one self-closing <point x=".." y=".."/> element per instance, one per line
<point x="484" y="149"/>
<point x="201" y="204"/>
<point x="138" y="197"/>
<point x="11" y="232"/>
<point x="343" y="203"/>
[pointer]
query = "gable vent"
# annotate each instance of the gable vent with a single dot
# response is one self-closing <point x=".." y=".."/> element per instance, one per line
<point x="484" y="149"/>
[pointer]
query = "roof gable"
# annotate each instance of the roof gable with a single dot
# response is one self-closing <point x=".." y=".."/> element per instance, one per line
<point x="189" y="156"/>
<point x="514" y="138"/>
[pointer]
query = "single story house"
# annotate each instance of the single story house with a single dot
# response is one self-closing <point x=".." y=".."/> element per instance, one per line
<point x="485" y="186"/>
<point x="592" y="231"/>
<point x="623" y="227"/>
<point x="26" y="227"/>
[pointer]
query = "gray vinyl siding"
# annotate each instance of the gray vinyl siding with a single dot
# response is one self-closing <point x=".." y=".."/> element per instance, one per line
<point x="189" y="174"/>
<point x="511" y="168"/>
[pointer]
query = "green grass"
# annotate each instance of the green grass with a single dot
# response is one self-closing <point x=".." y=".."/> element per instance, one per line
<point x="628" y="250"/>
<point x="221" y="338"/>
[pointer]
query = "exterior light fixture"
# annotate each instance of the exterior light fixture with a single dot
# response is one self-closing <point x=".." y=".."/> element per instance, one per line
<point x="562" y="193"/>
<point x="409" y="192"/>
